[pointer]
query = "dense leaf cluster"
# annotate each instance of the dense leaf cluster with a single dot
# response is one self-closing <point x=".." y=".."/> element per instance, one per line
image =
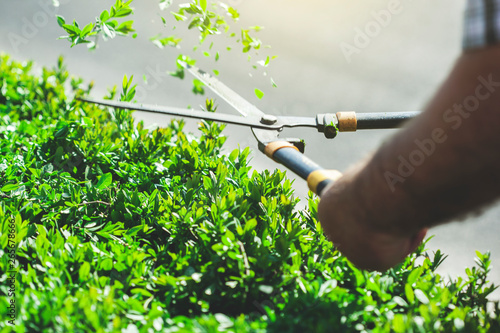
<point x="122" y="227"/>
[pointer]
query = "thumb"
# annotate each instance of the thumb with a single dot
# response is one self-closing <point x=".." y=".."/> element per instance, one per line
<point x="416" y="240"/>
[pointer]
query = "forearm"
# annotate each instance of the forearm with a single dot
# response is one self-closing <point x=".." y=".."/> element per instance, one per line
<point x="443" y="164"/>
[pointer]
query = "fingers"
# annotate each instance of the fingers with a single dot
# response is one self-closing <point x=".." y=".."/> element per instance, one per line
<point x="417" y="239"/>
<point x="349" y="227"/>
<point x="378" y="251"/>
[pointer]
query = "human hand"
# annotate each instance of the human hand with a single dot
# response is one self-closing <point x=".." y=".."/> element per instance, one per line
<point x="350" y="229"/>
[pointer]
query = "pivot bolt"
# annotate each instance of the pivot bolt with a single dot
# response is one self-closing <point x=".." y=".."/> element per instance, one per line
<point x="268" y="119"/>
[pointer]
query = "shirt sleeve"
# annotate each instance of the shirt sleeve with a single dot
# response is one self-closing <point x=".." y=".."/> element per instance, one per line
<point x="481" y="24"/>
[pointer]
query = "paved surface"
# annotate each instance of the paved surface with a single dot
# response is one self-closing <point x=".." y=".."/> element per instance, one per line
<point x="397" y="68"/>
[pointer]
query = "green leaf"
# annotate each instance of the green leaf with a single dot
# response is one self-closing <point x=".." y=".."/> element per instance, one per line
<point x="104" y="181"/>
<point x="109" y="31"/>
<point x="125" y="27"/>
<point x="273" y="83"/>
<point x="141" y="291"/>
<point x="198" y="87"/>
<point x="179" y="17"/>
<point x="71" y="29"/>
<point x="459" y="324"/>
<point x="162" y="42"/>
<point x="86" y="30"/>
<point x="399" y="301"/>
<point x="60" y="21"/>
<point x="259" y="93"/>
<point x="107" y="264"/>
<point x="234" y="154"/>
<point x="123" y="12"/>
<point x="398" y="324"/>
<point x="10" y="187"/>
<point x="250" y="224"/>
<point x="164" y="4"/>
<point x="203" y="5"/>
<point x="104" y="16"/>
<point x="421" y="296"/>
<point x="83" y="272"/>
<point x="412" y="278"/>
<point x="266" y="289"/>
<point x="410" y="295"/>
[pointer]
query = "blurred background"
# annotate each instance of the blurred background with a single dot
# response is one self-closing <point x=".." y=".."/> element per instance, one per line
<point x="397" y="68"/>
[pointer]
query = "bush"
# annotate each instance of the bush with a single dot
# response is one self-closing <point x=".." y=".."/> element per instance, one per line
<point x="121" y="228"/>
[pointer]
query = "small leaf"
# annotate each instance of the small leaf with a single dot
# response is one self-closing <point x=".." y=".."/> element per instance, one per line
<point x="109" y="31"/>
<point x="60" y="21"/>
<point x="197" y="277"/>
<point x="273" y="83"/>
<point x="104" y="15"/>
<point x="234" y="154"/>
<point x="203" y="5"/>
<point x="414" y="275"/>
<point x="142" y="292"/>
<point x="459" y="324"/>
<point x="420" y="295"/>
<point x="398" y="323"/>
<point x="224" y="320"/>
<point x="164" y="4"/>
<point x="86" y="30"/>
<point x="107" y="264"/>
<point x="84" y="271"/>
<point x="10" y="187"/>
<point x="123" y="12"/>
<point x="259" y="93"/>
<point x="410" y="295"/>
<point x="400" y="301"/>
<point x="104" y="181"/>
<point x="179" y="17"/>
<point x="250" y="225"/>
<point x="232" y="284"/>
<point x="266" y="289"/>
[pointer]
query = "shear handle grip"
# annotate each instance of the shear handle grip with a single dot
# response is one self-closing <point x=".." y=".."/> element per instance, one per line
<point x="384" y="120"/>
<point x="349" y="121"/>
<point x="317" y="177"/>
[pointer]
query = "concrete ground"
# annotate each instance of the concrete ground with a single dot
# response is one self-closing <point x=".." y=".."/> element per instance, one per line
<point x="398" y="67"/>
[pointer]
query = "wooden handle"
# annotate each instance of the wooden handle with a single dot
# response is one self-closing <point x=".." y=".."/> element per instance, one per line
<point x="347" y="121"/>
<point x="318" y="180"/>
<point x="317" y="177"/>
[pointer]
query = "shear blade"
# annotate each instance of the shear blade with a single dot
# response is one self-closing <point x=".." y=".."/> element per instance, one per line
<point x="188" y="113"/>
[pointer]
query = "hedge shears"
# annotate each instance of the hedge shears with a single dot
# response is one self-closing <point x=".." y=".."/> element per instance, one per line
<point x="266" y="128"/>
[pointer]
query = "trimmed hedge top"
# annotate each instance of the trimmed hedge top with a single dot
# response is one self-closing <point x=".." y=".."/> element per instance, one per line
<point x="121" y="228"/>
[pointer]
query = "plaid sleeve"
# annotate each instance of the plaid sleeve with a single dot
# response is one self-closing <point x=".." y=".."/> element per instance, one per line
<point x="482" y="24"/>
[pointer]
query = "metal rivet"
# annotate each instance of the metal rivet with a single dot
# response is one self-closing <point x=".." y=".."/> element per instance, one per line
<point x="268" y="119"/>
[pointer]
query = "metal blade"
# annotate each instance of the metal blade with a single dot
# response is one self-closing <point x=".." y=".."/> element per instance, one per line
<point x="219" y="117"/>
<point x="231" y="97"/>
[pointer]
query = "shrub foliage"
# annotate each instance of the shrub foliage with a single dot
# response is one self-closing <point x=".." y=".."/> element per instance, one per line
<point x="123" y="228"/>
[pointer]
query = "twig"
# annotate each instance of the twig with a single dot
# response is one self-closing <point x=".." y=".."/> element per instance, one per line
<point x="94" y="202"/>
<point x="245" y="258"/>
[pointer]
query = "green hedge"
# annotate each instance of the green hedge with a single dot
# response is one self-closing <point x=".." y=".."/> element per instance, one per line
<point x="122" y="228"/>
